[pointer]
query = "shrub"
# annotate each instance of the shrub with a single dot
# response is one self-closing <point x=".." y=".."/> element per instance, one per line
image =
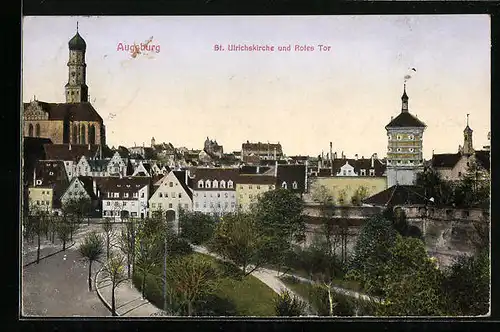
<point x="287" y="304"/>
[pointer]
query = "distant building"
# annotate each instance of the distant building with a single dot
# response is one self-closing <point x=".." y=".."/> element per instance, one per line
<point x="254" y="152"/>
<point x="452" y="166"/>
<point x="405" y="144"/>
<point x="291" y="177"/>
<point x="48" y="183"/>
<point x="214" y="190"/>
<point x="213" y="149"/>
<point x="124" y="197"/>
<point x="252" y="182"/>
<point x="82" y="187"/>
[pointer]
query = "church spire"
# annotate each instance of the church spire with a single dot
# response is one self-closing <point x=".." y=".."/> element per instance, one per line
<point x="76" y="88"/>
<point x="404" y="99"/>
<point x="468" y="147"/>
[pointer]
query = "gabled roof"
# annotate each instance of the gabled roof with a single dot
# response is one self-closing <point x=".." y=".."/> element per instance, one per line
<point x="128" y="185"/>
<point x="399" y="195"/>
<point x="181" y="176"/>
<point x="405" y="119"/>
<point x="69" y="152"/>
<point x="218" y="174"/>
<point x="445" y="160"/>
<point x="83" y="111"/>
<point x="88" y="185"/>
<point x="246" y="169"/>
<point x="98" y="165"/>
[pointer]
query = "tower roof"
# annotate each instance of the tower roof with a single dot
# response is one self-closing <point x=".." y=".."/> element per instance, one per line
<point x="404" y="97"/>
<point x="77" y="43"/>
<point x="405" y="119"/>
<point x="467" y="128"/>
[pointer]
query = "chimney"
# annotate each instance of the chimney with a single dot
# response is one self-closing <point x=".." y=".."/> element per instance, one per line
<point x="335" y="155"/>
<point x="373" y="162"/>
<point x="34" y="176"/>
<point x="89" y="146"/>
<point x="275" y="153"/>
<point x="69" y="146"/>
<point x="356" y="156"/>
<point x="276" y="169"/>
<point x="343" y="156"/>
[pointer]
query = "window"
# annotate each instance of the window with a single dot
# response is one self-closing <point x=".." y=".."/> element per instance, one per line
<point x="218" y="204"/>
<point x="283" y="185"/>
<point x="218" y="194"/>
<point x="226" y="195"/>
<point x="207" y="184"/>
<point x="372" y="172"/>
<point x="180" y="195"/>
<point x="171" y="184"/>
<point x="37" y="130"/>
<point x="133" y="203"/>
<point x="215" y="184"/>
<point x="241" y="187"/>
<point x="204" y="194"/>
<point x="363" y="172"/>
<point x="153" y="205"/>
<point x="411" y="149"/>
<point x="250" y="196"/>
<point x="108" y="203"/>
<point x="200" y="184"/>
<point x="135" y="195"/>
<point x="116" y="195"/>
<point x="390" y="137"/>
<point x="250" y="187"/>
<point x="399" y="138"/>
<point x="459" y="174"/>
<point x="232" y="204"/>
<point x="124" y="203"/>
<point x="169" y="205"/>
<point x="411" y="137"/>
<point x="295" y="185"/>
<point x="125" y="195"/>
<point x="389" y="149"/>
<point x="30" y="130"/>
<point x="116" y="203"/>
<point x="223" y="184"/>
<point x="344" y="172"/>
<point x="161" y="195"/>
<point x="398" y="149"/>
<point x="204" y="205"/>
<point x="159" y="205"/>
<point x="166" y="195"/>
<point x="142" y="195"/>
<point x="258" y="187"/>
<point x="230" y="184"/>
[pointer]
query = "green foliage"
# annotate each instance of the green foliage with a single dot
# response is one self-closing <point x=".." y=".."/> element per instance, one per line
<point x="278" y="215"/>
<point x="359" y="195"/>
<point x="197" y="227"/>
<point x="238" y="238"/>
<point x="287" y="304"/>
<point x="467" y="285"/>
<point x="412" y="281"/>
<point x="371" y="253"/>
<point x="474" y="188"/>
<point x="91" y="250"/>
<point x="442" y="191"/>
<point x="400" y="223"/>
<point x="342" y="197"/>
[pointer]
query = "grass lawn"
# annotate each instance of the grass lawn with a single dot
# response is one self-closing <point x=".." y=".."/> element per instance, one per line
<point x="234" y="295"/>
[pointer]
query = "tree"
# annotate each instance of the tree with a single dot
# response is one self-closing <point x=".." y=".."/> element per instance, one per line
<point x="342" y="197"/>
<point x="192" y="277"/>
<point x="126" y="243"/>
<point x="359" y="195"/>
<point x="474" y="188"/>
<point x="467" y="284"/>
<point x="412" y="281"/>
<point x="435" y="187"/>
<point x="37" y="225"/>
<point x="91" y="250"/>
<point x="372" y="252"/>
<point x="238" y="238"/>
<point x="287" y="304"/>
<point x="107" y="227"/>
<point x="400" y="223"/>
<point x="64" y="229"/>
<point x="72" y="215"/>
<point x="278" y="214"/>
<point x="114" y="270"/>
<point x="195" y="226"/>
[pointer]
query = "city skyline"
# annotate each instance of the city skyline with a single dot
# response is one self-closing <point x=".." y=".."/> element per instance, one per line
<point x="187" y="91"/>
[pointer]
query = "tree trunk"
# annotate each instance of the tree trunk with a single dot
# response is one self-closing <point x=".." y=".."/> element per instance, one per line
<point x="330" y="300"/>
<point x="64" y="245"/>
<point x="128" y="265"/>
<point x="190" y="308"/>
<point x="71" y="231"/>
<point x="90" y="276"/>
<point x="113" y="301"/>
<point x="143" y="287"/>
<point x="38" y="250"/>
<point x="107" y="245"/>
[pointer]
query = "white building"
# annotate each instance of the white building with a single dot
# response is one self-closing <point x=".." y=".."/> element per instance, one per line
<point x="124" y="197"/>
<point x="214" y="190"/>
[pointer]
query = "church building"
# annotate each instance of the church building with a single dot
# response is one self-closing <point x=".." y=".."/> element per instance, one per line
<point x="75" y="121"/>
<point x="405" y="143"/>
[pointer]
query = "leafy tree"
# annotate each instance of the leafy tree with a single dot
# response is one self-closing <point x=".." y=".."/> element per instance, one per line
<point x="412" y="281"/>
<point x="287" y="304"/>
<point x="238" y="238"/>
<point x="107" y="227"/>
<point x="192" y="278"/>
<point x="474" y="188"/>
<point x="372" y="252"/>
<point x="359" y="195"/>
<point x="435" y="187"/>
<point x="278" y="214"/>
<point x="91" y="250"/>
<point x="195" y="226"/>
<point x="467" y="284"/>
<point x="114" y="270"/>
<point x="64" y="229"/>
<point x="342" y="197"/>
<point x="400" y="223"/>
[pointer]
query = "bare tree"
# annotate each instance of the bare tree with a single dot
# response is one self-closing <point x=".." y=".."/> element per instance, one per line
<point x="107" y="227"/>
<point x="114" y="270"/>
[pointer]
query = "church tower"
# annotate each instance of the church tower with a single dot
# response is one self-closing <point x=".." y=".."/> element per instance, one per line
<point x="405" y="146"/>
<point x="76" y="88"/>
<point x="468" y="147"/>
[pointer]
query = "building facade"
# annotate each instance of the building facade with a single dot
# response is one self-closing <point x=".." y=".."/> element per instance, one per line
<point x="124" y="197"/>
<point x="251" y="186"/>
<point x="75" y="121"/>
<point x="214" y="190"/>
<point x="405" y="144"/>
<point x="254" y="152"/>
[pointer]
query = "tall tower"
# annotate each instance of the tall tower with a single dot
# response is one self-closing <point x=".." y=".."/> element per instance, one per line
<point x="405" y="143"/>
<point x="468" y="148"/>
<point x="76" y="88"/>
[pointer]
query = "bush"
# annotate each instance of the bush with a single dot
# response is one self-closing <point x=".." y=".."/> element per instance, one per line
<point x="179" y="247"/>
<point x="287" y="304"/>
<point x="196" y="227"/>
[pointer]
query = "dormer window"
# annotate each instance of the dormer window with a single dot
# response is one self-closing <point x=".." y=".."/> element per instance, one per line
<point x="294" y="185"/>
<point x="230" y="184"/>
<point x="411" y="149"/>
<point x="363" y="172"/>
<point x="372" y="172"/>
<point x="223" y="184"/>
<point x="215" y="184"/>
<point x="200" y="184"/>
<point x="283" y="185"/>
<point x="207" y="184"/>
<point x="399" y="137"/>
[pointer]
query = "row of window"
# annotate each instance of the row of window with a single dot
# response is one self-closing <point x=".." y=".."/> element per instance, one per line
<point x="226" y="195"/>
<point x="271" y="187"/>
<point x="118" y="203"/>
<point x="161" y="195"/>
<point x="295" y="185"/>
<point x="399" y="150"/>
<point x="38" y="202"/>
<point x="117" y="214"/>
<point x="125" y="195"/>
<point x="213" y="205"/>
<point x="400" y="137"/>
<point x="215" y="184"/>
<point x="401" y="162"/>
<point x="170" y="205"/>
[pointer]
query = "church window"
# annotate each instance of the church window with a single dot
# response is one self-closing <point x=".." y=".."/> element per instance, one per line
<point x="91" y="134"/>
<point x="399" y="149"/>
<point x="75" y="134"/>
<point x="389" y="149"/>
<point x="222" y="184"/>
<point x="390" y="137"/>
<point x="399" y="137"/>
<point x="37" y="130"/>
<point x="82" y="135"/>
<point x="30" y="130"/>
<point x="207" y="184"/>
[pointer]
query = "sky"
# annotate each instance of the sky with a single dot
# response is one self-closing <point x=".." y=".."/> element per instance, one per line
<point x="187" y="91"/>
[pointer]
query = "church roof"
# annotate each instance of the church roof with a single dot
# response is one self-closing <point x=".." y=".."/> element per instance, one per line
<point x="77" y="43"/>
<point x="83" y="111"/>
<point x="446" y="160"/>
<point x="405" y="119"/>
